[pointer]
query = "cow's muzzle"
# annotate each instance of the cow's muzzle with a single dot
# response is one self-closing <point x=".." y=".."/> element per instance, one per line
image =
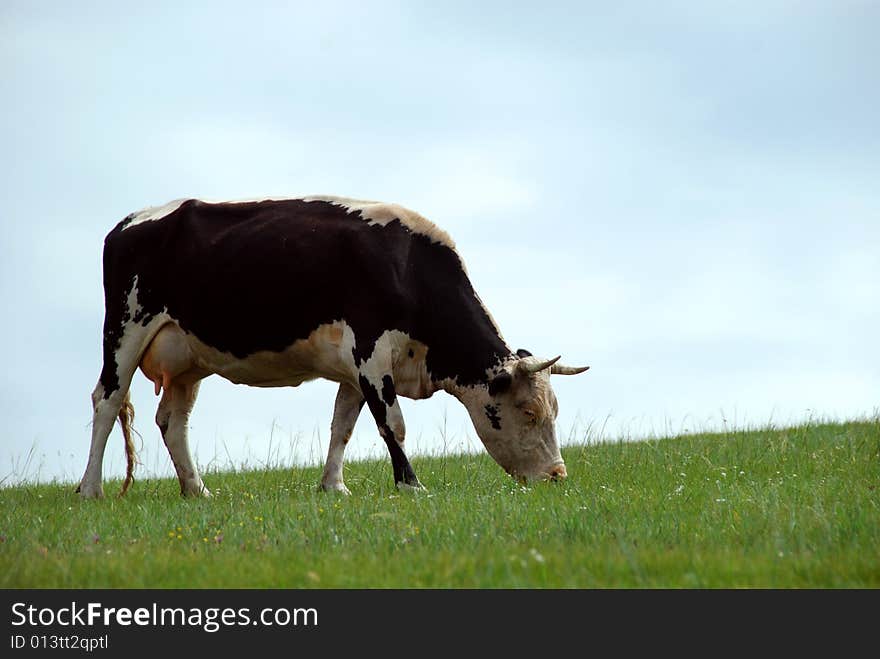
<point x="557" y="472"/>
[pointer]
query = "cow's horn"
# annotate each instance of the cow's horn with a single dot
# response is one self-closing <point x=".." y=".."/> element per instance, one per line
<point x="540" y="366"/>
<point x="562" y="369"/>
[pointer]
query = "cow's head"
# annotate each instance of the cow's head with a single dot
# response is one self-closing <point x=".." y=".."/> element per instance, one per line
<point x="516" y="418"/>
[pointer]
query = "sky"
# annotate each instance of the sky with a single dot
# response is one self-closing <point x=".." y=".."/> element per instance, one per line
<point x="684" y="196"/>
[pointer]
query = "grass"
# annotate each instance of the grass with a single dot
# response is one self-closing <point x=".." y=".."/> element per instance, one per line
<point x="774" y="508"/>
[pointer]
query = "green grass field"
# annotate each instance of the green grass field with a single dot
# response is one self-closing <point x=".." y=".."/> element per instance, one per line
<point x="779" y="508"/>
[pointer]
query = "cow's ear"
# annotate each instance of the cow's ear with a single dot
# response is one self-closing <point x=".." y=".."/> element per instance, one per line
<point x="523" y="353"/>
<point x="500" y="383"/>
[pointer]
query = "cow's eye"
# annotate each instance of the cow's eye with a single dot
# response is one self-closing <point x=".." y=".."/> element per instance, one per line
<point x="531" y="417"/>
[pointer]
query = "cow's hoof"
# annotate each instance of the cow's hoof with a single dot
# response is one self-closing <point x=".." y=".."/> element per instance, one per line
<point x="406" y="487"/>
<point x="334" y="487"/>
<point x="87" y="491"/>
<point x="196" y="493"/>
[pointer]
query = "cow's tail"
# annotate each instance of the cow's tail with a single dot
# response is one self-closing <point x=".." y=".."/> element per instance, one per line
<point x="126" y="418"/>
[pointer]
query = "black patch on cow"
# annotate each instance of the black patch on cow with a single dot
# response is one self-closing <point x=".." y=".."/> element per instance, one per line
<point x="377" y="407"/>
<point x="523" y="353"/>
<point x="116" y="315"/>
<point x="492" y="414"/>
<point x="388" y="394"/>
<point x="403" y="471"/>
<point x="500" y="383"/>
<point x="245" y="277"/>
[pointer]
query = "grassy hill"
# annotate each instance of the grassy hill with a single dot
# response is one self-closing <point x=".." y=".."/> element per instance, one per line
<point x="781" y="508"/>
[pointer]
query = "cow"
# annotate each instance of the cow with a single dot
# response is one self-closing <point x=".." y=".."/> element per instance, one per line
<point x="276" y="292"/>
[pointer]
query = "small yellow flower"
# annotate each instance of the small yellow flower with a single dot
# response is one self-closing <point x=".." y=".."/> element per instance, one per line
<point x="179" y="537"/>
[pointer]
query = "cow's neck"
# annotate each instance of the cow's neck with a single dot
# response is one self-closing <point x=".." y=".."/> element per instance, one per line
<point x="466" y="348"/>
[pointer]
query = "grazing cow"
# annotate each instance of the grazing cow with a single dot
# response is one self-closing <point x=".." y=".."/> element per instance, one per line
<point x="275" y="292"/>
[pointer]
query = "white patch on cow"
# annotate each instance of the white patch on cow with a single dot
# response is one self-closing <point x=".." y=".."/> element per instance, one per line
<point x="131" y="300"/>
<point x="377" y="212"/>
<point x="391" y="355"/>
<point x="325" y="353"/>
<point x="153" y="213"/>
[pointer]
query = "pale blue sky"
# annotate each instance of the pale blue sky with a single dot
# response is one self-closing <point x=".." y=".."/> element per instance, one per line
<point x="683" y="195"/>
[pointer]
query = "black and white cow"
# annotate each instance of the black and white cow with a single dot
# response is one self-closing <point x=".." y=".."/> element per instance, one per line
<point x="276" y="292"/>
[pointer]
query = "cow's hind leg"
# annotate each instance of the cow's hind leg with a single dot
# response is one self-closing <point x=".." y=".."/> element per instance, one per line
<point x="385" y="409"/>
<point x="172" y="418"/>
<point x="349" y="402"/>
<point x="109" y="396"/>
<point x="104" y="414"/>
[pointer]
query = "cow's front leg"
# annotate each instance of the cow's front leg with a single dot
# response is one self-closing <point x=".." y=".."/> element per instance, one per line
<point x="349" y="402"/>
<point x="381" y="398"/>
